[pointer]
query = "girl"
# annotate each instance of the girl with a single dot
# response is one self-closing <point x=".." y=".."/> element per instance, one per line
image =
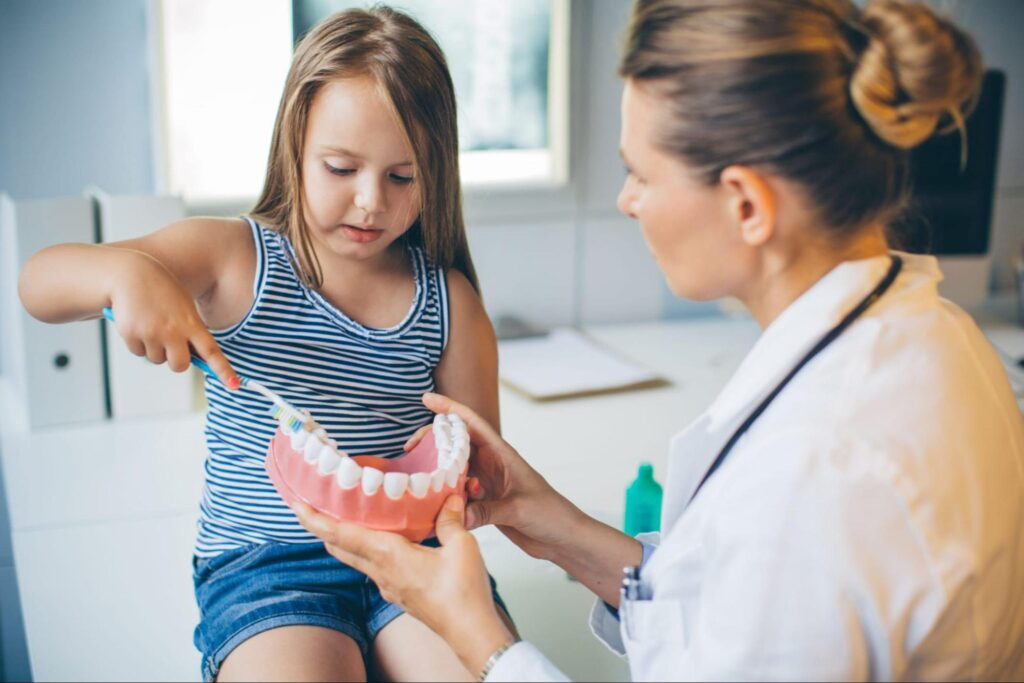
<point x="350" y="291"/>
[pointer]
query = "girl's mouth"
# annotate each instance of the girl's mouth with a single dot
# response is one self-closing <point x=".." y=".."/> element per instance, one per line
<point x="361" y="235"/>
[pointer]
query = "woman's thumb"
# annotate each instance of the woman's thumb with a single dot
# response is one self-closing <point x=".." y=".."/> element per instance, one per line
<point x="451" y="521"/>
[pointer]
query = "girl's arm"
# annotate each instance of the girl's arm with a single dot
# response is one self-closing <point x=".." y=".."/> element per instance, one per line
<point x="468" y="371"/>
<point x="153" y="284"/>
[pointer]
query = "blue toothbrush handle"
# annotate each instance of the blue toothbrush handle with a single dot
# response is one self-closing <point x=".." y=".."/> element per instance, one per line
<point x="108" y="313"/>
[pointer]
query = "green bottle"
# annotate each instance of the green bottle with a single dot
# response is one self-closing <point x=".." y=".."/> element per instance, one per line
<point x="643" y="502"/>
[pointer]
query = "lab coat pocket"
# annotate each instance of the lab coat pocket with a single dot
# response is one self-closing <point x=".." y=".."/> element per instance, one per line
<point x="651" y="621"/>
<point x="654" y="637"/>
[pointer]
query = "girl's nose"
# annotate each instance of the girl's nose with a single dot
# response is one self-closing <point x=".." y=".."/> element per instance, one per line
<point x="370" y="197"/>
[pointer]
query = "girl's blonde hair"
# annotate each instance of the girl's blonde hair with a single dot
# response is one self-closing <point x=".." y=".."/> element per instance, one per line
<point x="817" y="91"/>
<point x="409" y="67"/>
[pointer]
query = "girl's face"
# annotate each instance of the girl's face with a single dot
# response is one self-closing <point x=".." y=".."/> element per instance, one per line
<point x="684" y="221"/>
<point x="360" y="189"/>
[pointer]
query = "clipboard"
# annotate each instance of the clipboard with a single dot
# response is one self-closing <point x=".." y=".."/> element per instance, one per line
<point x="566" y="363"/>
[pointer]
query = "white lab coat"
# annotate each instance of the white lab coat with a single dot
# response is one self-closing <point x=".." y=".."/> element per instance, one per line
<point x="870" y="525"/>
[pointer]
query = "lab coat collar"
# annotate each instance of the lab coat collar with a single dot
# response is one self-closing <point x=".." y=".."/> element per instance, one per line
<point x="807" y="320"/>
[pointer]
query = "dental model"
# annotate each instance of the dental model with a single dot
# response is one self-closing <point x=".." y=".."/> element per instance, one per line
<point x="402" y="494"/>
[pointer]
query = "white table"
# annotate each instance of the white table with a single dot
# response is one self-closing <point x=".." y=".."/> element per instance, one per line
<point x="103" y="516"/>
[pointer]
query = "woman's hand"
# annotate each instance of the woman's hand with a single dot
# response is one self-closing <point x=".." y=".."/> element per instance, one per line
<point x="505" y="491"/>
<point x="446" y="588"/>
<point x="158" y="319"/>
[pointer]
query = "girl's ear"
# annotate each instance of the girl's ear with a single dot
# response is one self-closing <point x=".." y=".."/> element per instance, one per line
<point x="752" y="204"/>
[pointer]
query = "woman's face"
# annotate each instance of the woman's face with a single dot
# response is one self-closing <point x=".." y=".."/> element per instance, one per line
<point x="357" y="170"/>
<point x="684" y="221"/>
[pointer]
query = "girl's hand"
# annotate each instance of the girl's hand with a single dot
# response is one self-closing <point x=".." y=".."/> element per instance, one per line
<point x="507" y="492"/>
<point x="446" y="588"/>
<point x="158" y="319"/>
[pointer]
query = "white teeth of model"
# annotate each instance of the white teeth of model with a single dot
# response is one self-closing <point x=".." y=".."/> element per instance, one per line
<point x="462" y="457"/>
<point x="451" y="477"/>
<point x="395" y="484"/>
<point x="456" y="420"/>
<point x="299" y="439"/>
<point x="419" y="483"/>
<point x="328" y="460"/>
<point x="349" y="473"/>
<point x="460" y="442"/>
<point x="437" y="480"/>
<point x="440" y="421"/>
<point x="442" y="440"/>
<point x="372" y="479"/>
<point x="311" y="451"/>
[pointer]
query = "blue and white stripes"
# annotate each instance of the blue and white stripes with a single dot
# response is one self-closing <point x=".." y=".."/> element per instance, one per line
<point x="363" y="385"/>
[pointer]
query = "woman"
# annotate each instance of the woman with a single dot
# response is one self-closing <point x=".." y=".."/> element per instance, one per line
<point x="852" y="505"/>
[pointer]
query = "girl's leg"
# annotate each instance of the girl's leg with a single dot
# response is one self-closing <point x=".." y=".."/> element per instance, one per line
<point x="295" y="653"/>
<point x="407" y="650"/>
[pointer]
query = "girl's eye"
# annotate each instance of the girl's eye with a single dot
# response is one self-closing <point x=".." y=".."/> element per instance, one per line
<point x="401" y="179"/>
<point x="339" y="171"/>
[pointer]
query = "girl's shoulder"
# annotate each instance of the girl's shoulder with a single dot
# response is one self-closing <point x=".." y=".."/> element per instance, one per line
<point x="467" y="314"/>
<point x="228" y="247"/>
<point x="459" y="288"/>
<point x="221" y="236"/>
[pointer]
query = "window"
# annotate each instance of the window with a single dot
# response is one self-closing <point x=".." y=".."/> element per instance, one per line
<point x="224" y="62"/>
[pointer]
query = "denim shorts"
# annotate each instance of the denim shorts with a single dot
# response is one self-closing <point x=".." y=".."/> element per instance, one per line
<point x="255" y="588"/>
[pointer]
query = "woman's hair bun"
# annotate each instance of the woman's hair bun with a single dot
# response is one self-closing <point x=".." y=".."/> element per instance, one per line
<point x="917" y="73"/>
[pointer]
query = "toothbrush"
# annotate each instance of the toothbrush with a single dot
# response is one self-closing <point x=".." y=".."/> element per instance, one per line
<point x="291" y="419"/>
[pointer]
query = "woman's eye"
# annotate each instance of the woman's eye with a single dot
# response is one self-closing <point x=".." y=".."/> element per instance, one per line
<point x="339" y="171"/>
<point x="401" y="179"/>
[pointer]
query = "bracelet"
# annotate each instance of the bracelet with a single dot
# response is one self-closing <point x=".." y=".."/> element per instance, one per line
<point x="493" y="659"/>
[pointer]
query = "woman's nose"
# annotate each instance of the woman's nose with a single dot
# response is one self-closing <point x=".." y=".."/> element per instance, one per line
<point x="627" y="199"/>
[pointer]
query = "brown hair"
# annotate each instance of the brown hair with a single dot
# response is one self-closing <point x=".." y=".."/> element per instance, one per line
<point x="816" y="91"/>
<point x="409" y="67"/>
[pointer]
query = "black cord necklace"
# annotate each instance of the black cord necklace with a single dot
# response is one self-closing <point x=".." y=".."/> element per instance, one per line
<point x="858" y="310"/>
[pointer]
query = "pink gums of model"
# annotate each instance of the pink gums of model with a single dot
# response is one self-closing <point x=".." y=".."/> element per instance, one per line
<point x="411" y="513"/>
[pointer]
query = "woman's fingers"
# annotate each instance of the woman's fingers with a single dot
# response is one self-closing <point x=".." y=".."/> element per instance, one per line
<point x="480" y="432"/>
<point x="367" y="550"/>
<point x="477" y="515"/>
<point x="415" y="439"/>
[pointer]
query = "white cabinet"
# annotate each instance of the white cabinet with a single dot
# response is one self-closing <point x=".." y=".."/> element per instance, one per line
<point x="56" y="369"/>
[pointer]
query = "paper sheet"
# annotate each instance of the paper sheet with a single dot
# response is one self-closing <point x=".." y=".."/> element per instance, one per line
<point x="566" y="363"/>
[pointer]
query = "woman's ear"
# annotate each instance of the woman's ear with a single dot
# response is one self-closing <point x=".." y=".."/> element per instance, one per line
<point x="752" y="203"/>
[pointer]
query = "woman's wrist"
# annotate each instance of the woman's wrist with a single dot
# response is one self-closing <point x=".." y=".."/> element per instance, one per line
<point x="479" y="640"/>
<point x="596" y="555"/>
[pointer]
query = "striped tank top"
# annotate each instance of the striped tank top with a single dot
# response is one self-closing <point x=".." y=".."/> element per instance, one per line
<point x="362" y="384"/>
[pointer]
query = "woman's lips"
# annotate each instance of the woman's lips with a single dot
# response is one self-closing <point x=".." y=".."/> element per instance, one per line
<point x="361" y="235"/>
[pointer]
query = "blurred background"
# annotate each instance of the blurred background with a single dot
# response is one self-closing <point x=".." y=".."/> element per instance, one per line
<point x="153" y="108"/>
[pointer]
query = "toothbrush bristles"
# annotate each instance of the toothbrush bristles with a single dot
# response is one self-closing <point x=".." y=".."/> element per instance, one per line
<point x="292" y="422"/>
